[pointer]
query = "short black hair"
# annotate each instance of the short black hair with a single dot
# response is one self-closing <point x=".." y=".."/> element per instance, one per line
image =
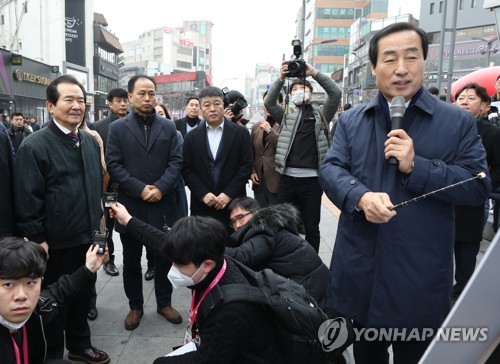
<point x="433" y="90"/>
<point x="192" y="98"/>
<point x="193" y="239"/>
<point x="302" y="82"/>
<point x="134" y="79"/>
<point x="211" y="91"/>
<point x="20" y="258"/>
<point x="394" y="28"/>
<point x="480" y="91"/>
<point x="346" y="106"/>
<point x="16" y="114"/>
<point x="245" y="203"/>
<point x="52" y="93"/>
<point x="117" y="92"/>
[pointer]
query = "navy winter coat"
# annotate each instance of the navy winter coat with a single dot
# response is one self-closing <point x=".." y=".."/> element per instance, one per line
<point x="133" y="164"/>
<point x="400" y="274"/>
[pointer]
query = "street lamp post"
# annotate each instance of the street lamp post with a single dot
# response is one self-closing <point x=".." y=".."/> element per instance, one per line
<point x="489" y="42"/>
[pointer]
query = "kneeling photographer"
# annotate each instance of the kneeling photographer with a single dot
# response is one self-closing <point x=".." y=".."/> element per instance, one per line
<point x="303" y="140"/>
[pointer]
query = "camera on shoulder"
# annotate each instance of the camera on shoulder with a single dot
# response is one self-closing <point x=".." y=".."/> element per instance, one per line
<point x="297" y="66"/>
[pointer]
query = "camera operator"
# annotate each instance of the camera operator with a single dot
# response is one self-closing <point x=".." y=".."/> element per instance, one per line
<point x="303" y="141"/>
<point x="234" y="104"/>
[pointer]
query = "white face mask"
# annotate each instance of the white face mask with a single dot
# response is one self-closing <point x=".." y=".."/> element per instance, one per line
<point x="300" y="97"/>
<point x="181" y="280"/>
<point x="12" y="325"/>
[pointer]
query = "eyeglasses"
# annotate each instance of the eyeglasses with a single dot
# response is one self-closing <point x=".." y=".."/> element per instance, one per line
<point x="237" y="218"/>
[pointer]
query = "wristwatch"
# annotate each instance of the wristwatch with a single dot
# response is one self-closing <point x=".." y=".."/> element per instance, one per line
<point x="270" y="130"/>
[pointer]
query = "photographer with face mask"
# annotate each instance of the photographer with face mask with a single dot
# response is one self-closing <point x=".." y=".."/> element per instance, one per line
<point x="302" y="143"/>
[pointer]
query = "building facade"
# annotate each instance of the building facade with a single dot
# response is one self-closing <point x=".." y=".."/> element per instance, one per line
<point x="57" y="35"/>
<point x="165" y="50"/>
<point x="330" y="21"/>
<point x="476" y="45"/>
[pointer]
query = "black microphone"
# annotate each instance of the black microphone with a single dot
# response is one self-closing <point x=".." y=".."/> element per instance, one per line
<point x="398" y="108"/>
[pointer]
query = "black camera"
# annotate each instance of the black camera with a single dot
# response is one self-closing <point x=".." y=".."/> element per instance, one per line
<point x="109" y="197"/>
<point x="234" y="101"/>
<point x="297" y="66"/>
<point x="100" y="240"/>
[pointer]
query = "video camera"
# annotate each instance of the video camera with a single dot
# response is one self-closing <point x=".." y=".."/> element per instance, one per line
<point x="235" y="101"/>
<point x="297" y="66"/>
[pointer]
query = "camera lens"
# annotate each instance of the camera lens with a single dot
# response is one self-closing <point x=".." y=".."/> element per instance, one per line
<point x="293" y="66"/>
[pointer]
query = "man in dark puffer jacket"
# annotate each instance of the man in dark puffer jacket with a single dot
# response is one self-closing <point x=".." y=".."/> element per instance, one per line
<point x="269" y="239"/>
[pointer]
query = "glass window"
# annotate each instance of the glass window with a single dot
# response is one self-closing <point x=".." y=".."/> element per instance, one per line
<point x="431" y="10"/>
<point x="440" y="7"/>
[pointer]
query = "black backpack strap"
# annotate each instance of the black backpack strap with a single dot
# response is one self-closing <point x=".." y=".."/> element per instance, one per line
<point x="220" y="295"/>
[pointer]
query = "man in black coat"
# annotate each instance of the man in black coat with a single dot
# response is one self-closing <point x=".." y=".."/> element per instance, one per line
<point x="268" y="238"/>
<point x="7" y="221"/>
<point x="470" y="220"/>
<point x="144" y="157"/>
<point x="217" y="159"/>
<point x="57" y="200"/>
<point x="18" y="132"/>
<point x="118" y="106"/>
<point x="191" y="120"/>
<point x="235" y="332"/>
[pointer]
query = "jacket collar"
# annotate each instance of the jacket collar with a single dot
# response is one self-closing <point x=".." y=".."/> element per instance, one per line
<point x="422" y="100"/>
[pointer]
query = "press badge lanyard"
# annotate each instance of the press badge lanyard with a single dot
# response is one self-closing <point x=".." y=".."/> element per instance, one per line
<point x="194" y="307"/>
<point x="25" y="348"/>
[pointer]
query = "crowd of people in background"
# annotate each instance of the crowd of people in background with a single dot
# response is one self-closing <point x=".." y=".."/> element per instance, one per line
<point x="390" y="268"/>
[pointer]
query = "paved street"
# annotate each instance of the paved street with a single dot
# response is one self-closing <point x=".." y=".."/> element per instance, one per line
<point x="155" y="336"/>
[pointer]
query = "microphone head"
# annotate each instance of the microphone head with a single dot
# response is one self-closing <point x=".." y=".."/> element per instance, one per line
<point x="398" y="106"/>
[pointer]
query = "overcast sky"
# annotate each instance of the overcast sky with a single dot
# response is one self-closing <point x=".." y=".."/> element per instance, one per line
<point x="245" y="32"/>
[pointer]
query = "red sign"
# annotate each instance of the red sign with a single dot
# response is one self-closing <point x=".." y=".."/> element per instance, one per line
<point x="186" y="42"/>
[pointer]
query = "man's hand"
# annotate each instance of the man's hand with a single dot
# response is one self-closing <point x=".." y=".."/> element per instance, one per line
<point x="210" y="199"/>
<point x="255" y="179"/>
<point x="264" y="125"/>
<point x="228" y="114"/>
<point x="400" y="146"/>
<point x="222" y="201"/>
<point x="376" y="206"/>
<point x="94" y="261"/>
<point x="283" y="71"/>
<point x="145" y="192"/>
<point x="118" y="212"/>
<point x="155" y="194"/>
<point x="310" y="70"/>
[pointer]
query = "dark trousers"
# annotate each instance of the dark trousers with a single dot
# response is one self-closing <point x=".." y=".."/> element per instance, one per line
<point x="376" y="352"/>
<point x="305" y="194"/>
<point x="465" y="264"/>
<point x="132" y="275"/>
<point x="262" y="194"/>
<point x="75" y="325"/>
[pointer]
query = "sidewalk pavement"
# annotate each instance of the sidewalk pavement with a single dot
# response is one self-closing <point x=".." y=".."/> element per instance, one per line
<point x="155" y="336"/>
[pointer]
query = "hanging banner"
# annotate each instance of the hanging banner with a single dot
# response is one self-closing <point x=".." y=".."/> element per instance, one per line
<point x="74" y="24"/>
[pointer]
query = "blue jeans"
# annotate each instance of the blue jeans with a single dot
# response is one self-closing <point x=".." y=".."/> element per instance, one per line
<point x="305" y="193"/>
<point x="132" y="275"/>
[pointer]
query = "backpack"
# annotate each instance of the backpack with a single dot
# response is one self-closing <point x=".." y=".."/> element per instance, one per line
<point x="296" y="316"/>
